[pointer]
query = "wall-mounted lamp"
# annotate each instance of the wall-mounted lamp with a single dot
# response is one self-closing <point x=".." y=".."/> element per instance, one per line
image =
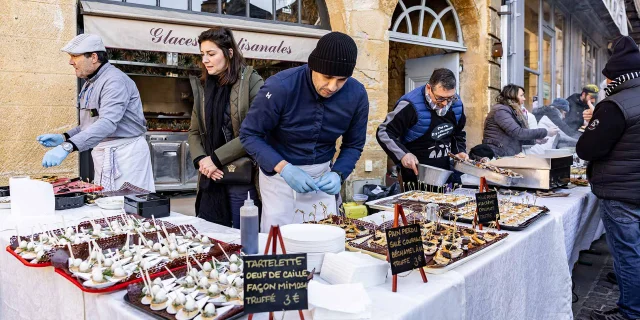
<point x="496" y="50"/>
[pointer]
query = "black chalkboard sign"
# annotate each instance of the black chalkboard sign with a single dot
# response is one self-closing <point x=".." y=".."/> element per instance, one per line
<point x="405" y="248"/>
<point x="275" y="283"/>
<point x="488" y="206"/>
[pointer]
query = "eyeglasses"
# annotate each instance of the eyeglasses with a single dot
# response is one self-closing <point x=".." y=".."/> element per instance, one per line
<point x="440" y="99"/>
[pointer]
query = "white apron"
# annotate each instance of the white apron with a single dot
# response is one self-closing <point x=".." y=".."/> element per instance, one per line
<point x="280" y="202"/>
<point x="123" y="160"/>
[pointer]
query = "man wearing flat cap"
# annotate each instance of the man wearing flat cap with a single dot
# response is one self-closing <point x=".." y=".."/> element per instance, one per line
<point x="111" y="120"/>
<point x="611" y="145"/>
<point x="292" y="128"/>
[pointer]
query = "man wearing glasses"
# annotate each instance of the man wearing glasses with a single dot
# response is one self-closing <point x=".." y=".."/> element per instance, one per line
<point x="425" y="126"/>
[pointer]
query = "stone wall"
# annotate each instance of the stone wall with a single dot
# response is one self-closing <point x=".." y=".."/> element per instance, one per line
<point x="367" y="21"/>
<point x="38" y="92"/>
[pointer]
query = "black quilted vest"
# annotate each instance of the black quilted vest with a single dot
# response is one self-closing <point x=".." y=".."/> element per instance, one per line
<point x="617" y="176"/>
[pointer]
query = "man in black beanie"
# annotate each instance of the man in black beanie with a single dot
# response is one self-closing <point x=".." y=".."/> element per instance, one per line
<point x="292" y="127"/>
<point x="610" y="144"/>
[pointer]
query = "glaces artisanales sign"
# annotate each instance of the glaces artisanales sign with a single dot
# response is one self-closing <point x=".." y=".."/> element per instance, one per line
<point x="155" y="36"/>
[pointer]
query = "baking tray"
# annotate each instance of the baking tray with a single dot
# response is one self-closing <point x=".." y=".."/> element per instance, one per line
<point x="491" y="176"/>
<point x="467" y="256"/>
<point x="388" y="203"/>
<point x="521" y="227"/>
<point x="135" y="289"/>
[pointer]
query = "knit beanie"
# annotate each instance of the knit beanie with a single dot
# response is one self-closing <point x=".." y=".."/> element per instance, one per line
<point x="561" y="104"/>
<point x="334" y="55"/>
<point x="625" y="58"/>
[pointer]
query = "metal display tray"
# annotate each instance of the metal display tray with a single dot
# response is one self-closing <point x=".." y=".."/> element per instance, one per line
<point x="491" y="176"/>
<point x="158" y="316"/>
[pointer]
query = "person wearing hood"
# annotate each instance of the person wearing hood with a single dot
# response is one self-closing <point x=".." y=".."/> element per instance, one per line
<point x="506" y="128"/>
<point x="556" y="112"/>
<point x="610" y="144"/>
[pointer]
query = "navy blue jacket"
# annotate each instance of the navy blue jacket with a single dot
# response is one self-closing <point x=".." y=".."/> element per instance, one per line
<point x="289" y="121"/>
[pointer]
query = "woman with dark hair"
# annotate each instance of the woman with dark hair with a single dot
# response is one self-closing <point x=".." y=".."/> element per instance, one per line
<point x="506" y="128"/>
<point x="218" y="112"/>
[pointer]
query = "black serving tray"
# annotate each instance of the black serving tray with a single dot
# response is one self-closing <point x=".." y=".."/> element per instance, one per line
<point x="4" y="191"/>
<point x="153" y="315"/>
<point x="148" y="205"/>
<point x="69" y="200"/>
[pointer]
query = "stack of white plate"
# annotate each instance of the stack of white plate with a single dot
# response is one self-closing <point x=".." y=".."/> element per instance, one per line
<point x="313" y="239"/>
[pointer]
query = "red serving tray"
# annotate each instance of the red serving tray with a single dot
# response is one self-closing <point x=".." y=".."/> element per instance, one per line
<point x="27" y="263"/>
<point x="120" y="286"/>
<point x="116" y="287"/>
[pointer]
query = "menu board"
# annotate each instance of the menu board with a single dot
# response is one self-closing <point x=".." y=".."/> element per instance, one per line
<point x="405" y="248"/>
<point x="488" y="206"/>
<point x="275" y="283"/>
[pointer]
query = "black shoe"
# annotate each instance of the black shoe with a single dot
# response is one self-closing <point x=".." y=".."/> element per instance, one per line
<point x="611" y="277"/>
<point x="613" y="314"/>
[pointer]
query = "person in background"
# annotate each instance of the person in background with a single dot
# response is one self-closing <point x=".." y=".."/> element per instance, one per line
<point x="578" y="104"/>
<point x="506" y="129"/>
<point x="610" y="144"/>
<point x="292" y="129"/>
<point x="556" y="112"/>
<point x="230" y="87"/>
<point x="481" y="153"/>
<point x="426" y="125"/>
<point x="111" y="121"/>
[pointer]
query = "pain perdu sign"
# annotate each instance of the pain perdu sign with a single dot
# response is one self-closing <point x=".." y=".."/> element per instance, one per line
<point x="405" y="248"/>
<point x="488" y="206"/>
<point x="275" y="283"/>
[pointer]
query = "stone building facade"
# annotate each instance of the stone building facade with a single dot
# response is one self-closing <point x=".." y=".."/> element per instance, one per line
<point x="40" y="89"/>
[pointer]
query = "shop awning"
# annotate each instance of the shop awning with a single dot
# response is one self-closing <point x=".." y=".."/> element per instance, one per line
<point x="158" y="29"/>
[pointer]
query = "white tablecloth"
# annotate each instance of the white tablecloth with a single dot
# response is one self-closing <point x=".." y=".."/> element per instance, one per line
<point x="528" y="277"/>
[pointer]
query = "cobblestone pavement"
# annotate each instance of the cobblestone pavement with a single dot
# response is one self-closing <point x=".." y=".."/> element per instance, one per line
<point x="601" y="294"/>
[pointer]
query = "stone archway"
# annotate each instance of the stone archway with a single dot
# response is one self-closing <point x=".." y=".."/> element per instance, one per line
<point x="368" y="21"/>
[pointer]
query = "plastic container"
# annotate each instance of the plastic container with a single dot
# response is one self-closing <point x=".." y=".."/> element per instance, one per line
<point x="249" y="226"/>
<point x="360" y="198"/>
<point x="69" y="201"/>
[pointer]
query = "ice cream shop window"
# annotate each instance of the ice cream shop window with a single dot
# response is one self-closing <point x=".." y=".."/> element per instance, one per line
<point x="304" y="12"/>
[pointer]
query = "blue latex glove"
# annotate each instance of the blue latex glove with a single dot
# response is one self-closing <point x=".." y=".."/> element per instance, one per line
<point x="54" y="157"/>
<point x="330" y="183"/>
<point x="297" y="179"/>
<point x="50" y="140"/>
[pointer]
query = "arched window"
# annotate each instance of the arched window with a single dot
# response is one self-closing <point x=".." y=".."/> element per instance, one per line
<point x="434" y="25"/>
<point x="302" y="12"/>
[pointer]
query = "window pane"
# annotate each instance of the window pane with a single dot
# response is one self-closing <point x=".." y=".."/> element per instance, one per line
<point x="546" y="11"/>
<point x="147" y="2"/>
<point x="234" y="7"/>
<point x="261" y="9"/>
<point x="531" y="88"/>
<point x="531" y="51"/>
<point x="310" y="13"/>
<point x="175" y="4"/>
<point x="546" y="69"/>
<point x="559" y="55"/>
<point x="205" y="5"/>
<point x="287" y="10"/>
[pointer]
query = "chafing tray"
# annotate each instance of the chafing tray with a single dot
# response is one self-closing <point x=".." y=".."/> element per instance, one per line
<point x="491" y="176"/>
<point x="543" y="172"/>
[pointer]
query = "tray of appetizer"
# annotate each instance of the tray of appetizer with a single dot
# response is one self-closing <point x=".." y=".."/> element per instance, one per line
<point x="501" y="176"/>
<point x="211" y="290"/>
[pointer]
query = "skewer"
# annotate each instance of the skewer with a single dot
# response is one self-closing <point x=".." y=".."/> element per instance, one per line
<point x="171" y="273"/>
<point x="225" y="253"/>
<point x="196" y="260"/>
